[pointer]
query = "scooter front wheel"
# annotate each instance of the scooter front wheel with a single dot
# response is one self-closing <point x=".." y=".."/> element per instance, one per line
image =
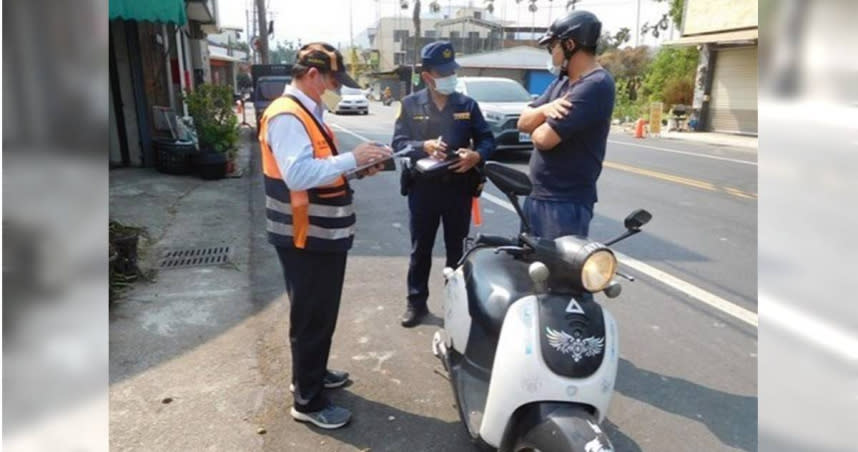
<point x="557" y="427"/>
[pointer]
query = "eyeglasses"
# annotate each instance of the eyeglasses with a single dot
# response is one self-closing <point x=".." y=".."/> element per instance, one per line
<point x="550" y="46"/>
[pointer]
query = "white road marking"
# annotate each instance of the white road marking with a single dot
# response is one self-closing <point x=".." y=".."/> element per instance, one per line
<point x="814" y="330"/>
<point x="693" y="154"/>
<point x="341" y="128"/>
<point x="689" y="289"/>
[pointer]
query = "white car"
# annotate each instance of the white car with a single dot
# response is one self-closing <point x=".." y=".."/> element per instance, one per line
<point x="501" y="100"/>
<point x="353" y="101"/>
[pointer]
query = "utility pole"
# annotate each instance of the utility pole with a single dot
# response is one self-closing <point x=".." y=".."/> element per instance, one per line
<point x="638" y="26"/>
<point x="247" y="35"/>
<point x="263" y="31"/>
<point x="416" y="18"/>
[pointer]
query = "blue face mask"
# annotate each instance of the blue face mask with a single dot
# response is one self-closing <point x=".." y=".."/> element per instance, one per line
<point x="446" y="85"/>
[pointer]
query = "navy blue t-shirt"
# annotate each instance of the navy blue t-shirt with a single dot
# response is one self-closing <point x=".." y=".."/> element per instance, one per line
<point x="569" y="171"/>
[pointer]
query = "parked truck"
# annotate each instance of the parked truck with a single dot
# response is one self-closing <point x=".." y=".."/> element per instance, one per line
<point x="269" y="80"/>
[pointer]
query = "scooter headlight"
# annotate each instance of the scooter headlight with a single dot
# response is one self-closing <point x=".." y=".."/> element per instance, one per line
<point x="598" y="270"/>
<point x="593" y="264"/>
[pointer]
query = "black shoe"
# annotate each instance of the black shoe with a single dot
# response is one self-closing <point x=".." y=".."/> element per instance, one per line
<point x="413" y="316"/>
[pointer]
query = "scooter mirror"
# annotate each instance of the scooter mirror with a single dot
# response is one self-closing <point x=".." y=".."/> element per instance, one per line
<point x="637" y="219"/>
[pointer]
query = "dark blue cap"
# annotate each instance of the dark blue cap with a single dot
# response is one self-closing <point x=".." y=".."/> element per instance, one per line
<point x="439" y="55"/>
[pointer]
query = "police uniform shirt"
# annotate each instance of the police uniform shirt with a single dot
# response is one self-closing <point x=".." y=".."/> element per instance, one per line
<point x="458" y="123"/>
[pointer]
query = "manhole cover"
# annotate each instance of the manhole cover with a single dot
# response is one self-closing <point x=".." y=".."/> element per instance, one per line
<point x="194" y="257"/>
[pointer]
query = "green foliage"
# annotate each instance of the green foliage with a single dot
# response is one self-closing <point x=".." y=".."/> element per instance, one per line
<point x="284" y="52"/>
<point x="243" y="80"/>
<point x="670" y="77"/>
<point x="667" y="77"/>
<point x="216" y="123"/>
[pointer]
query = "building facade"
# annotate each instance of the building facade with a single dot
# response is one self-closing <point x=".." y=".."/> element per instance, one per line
<point x="726" y="34"/>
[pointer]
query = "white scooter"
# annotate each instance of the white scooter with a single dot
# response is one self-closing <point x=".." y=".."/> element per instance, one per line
<point x="530" y="355"/>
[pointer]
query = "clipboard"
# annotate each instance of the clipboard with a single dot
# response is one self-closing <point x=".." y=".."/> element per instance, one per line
<point x="389" y="163"/>
<point x="429" y="165"/>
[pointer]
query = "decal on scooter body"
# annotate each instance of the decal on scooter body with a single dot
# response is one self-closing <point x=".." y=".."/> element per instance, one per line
<point x="573" y="344"/>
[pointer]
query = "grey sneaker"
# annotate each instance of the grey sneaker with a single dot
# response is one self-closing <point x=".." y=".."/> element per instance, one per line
<point x="333" y="379"/>
<point x="331" y="417"/>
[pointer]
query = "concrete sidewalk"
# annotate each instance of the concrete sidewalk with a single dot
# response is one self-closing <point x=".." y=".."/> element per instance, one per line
<point x="714" y="138"/>
<point x="183" y="366"/>
<point x="710" y="138"/>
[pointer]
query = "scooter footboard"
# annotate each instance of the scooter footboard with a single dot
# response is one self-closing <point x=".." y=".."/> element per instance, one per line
<point x="555" y="427"/>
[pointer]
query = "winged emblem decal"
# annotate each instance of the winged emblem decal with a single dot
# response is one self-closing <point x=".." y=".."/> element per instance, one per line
<point x="575" y="346"/>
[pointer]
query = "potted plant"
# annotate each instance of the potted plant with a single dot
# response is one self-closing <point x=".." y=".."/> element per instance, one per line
<point x="216" y="126"/>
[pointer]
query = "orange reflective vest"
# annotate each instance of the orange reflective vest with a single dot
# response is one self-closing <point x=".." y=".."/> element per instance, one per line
<point x="318" y="219"/>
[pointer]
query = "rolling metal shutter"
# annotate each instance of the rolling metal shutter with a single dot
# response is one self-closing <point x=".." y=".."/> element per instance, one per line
<point x="734" y="91"/>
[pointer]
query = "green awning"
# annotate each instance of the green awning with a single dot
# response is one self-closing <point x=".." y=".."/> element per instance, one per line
<point x="149" y="10"/>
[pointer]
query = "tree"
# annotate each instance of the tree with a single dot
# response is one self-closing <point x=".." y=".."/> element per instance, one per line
<point x="284" y="53"/>
<point x="628" y="66"/>
<point x="670" y="77"/>
<point x="607" y="42"/>
<point x="673" y="14"/>
<point x="626" y="63"/>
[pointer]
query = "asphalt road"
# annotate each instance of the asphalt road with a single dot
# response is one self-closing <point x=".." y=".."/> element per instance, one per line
<point x="688" y="371"/>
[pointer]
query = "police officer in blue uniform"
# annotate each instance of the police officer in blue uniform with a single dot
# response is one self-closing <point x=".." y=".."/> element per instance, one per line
<point x="440" y="123"/>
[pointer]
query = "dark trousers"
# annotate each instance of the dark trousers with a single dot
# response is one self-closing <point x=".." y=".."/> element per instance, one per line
<point x="314" y="283"/>
<point x="553" y="219"/>
<point x="429" y="204"/>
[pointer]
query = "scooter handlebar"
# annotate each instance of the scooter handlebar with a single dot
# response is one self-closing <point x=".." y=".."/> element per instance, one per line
<point x="494" y="240"/>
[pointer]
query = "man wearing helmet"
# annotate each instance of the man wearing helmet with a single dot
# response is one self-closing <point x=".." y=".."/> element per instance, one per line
<point x="569" y="125"/>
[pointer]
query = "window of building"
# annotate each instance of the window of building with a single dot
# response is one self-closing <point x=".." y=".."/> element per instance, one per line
<point x="473" y="35"/>
<point x="400" y="35"/>
<point x="399" y="58"/>
<point x="454" y="35"/>
<point x="430" y="34"/>
<point x="478" y="14"/>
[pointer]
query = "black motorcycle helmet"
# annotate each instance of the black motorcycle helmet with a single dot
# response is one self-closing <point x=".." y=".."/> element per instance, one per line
<point x="582" y="27"/>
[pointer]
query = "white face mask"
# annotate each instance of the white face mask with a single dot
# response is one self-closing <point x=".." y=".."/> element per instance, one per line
<point x="555" y="70"/>
<point x="446" y="85"/>
<point x="330" y="98"/>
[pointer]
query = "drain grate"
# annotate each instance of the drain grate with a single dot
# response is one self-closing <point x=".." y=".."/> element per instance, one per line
<point x="194" y="257"/>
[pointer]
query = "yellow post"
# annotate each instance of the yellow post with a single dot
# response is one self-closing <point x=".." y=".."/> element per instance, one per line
<point x="655" y="117"/>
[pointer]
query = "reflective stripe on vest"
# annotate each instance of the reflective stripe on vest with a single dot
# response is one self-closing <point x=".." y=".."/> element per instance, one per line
<point x="302" y="215"/>
<point x="314" y="210"/>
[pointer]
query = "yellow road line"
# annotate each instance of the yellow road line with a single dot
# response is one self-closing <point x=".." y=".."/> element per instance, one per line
<point x="681" y="180"/>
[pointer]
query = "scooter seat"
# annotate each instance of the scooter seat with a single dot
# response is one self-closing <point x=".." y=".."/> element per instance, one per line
<point x="494" y="282"/>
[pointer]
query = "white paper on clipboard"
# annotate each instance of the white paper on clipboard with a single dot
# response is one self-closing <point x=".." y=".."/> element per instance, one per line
<point x="428" y="164"/>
